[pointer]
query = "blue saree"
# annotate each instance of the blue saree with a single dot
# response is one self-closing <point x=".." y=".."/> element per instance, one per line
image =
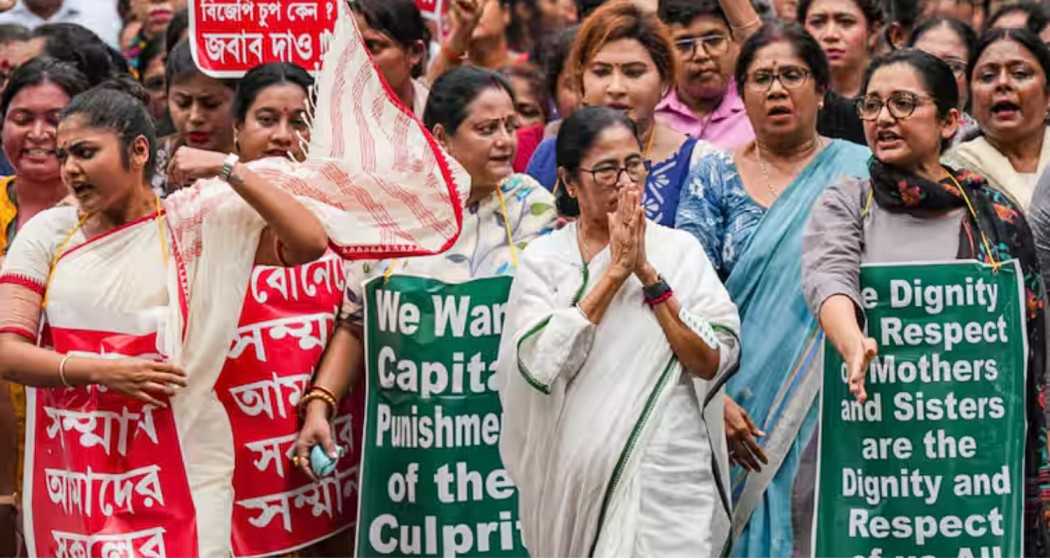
<point x="779" y="376"/>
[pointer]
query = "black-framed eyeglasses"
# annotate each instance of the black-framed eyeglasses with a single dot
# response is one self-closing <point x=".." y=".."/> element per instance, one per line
<point x="901" y="105"/>
<point x="609" y="175"/>
<point x="714" y="44"/>
<point x="791" y="77"/>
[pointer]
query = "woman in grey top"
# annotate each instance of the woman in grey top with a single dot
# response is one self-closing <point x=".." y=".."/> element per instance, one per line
<point x="915" y="209"/>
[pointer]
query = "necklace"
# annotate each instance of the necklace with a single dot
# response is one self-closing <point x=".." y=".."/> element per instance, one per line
<point x="765" y="170"/>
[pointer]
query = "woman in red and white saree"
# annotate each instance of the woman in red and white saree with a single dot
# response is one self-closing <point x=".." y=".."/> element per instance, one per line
<point x="123" y="308"/>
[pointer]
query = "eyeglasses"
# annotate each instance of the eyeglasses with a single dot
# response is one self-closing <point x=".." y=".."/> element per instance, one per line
<point x="901" y="105"/>
<point x="791" y="77"/>
<point x="715" y="44"/>
<point x="609" y="175"/>
<point x="958" y="67"/>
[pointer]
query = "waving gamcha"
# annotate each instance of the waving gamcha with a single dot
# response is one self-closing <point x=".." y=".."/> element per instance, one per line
<point x="617" y="329"/>
<point x="121" y="309"/>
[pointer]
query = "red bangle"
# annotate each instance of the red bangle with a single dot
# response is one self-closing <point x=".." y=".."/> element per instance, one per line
<point x="660" y="298"/>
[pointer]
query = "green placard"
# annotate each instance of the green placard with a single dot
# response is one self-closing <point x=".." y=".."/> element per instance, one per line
<point x="432" y="483"/>
<point x="932" y="463"/>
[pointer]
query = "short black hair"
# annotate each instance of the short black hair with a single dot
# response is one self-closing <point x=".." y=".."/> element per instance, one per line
<point x="181" y="67"/>
<point x="118" y="105"/>
<point x="1030" y="41"/>
<point x="261" y="77"/>
<point x="1037" y="16"/>
<point x="179" y="23"/>
<point x="683" y="12"/>
<point x="43" y="70"/>
<point x="400" y="20"/>
<point x="576" y="136"/>
<point x="805" y="46"/>
<point x="84" y="49"/>
<point x="454" y="91"/>
<point x="12" y="32"/>
<point x="872" y="10"/>
<point x="967" y="36"/>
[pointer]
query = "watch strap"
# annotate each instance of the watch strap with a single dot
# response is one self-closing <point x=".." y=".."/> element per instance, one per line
<point x="227" y="166"/>
<point x="656" y="290"/>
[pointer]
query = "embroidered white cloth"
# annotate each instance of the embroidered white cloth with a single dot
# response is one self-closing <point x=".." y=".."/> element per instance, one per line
<point x="599" y="418"/>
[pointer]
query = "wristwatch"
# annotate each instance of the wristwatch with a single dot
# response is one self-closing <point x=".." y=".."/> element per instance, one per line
<point x="227" y="166"/>
<point x="656" y="290"/>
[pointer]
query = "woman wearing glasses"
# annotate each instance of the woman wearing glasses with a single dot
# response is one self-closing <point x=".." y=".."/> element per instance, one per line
<point x="748" y="210"/>
<point x="1010" y="95"/>
<point x="956" y="44"/>
<point x="623" y="58"/>
<point x="606" y="441"/>
<point x="916" y="209"/>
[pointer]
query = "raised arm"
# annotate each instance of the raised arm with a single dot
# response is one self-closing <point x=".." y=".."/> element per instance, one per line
<point x="831" y="257"/>
<point x="743" y="19"/>
<point x="463" y="18"/>
<point x="300" y="236"/>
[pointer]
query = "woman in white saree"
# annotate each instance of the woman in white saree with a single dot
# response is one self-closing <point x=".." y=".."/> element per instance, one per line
<point x="605" y="370"/>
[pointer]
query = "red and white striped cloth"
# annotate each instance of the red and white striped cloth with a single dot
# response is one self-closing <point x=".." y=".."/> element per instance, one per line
<point x="383" y="188"/>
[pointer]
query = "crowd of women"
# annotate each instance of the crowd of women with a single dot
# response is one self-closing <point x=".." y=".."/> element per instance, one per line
<point x="683" y="191"/>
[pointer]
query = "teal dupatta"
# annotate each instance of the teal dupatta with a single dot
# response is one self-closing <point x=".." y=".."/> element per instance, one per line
<point x="781" y="362"/>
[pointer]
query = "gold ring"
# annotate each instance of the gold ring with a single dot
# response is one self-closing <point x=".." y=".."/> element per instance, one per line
<point x="296" y="459"/>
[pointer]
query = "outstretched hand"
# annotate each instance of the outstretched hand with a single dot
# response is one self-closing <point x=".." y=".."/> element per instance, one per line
<point x="857" y="359"/>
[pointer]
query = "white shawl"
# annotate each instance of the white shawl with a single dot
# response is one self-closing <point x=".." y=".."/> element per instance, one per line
<point x="981" y="157"/>
<point x="580" y="401"/>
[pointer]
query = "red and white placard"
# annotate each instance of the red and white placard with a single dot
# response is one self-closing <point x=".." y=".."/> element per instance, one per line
<point x="104" y="473"/>
<point x="230" y="37"/>
<point x="286" y="322"/>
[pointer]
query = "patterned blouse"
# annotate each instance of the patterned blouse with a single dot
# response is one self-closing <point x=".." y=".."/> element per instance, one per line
<point x="482" y="248"/>
<point x="716" y="208"/>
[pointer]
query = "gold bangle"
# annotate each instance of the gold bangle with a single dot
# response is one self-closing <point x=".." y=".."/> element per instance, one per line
<point x="325" y="391"/>
<point x="62" y="370"/>
<point x="312" y="396"/>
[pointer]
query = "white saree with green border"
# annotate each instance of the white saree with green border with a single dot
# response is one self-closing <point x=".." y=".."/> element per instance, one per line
<point x="607" y="438"/>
